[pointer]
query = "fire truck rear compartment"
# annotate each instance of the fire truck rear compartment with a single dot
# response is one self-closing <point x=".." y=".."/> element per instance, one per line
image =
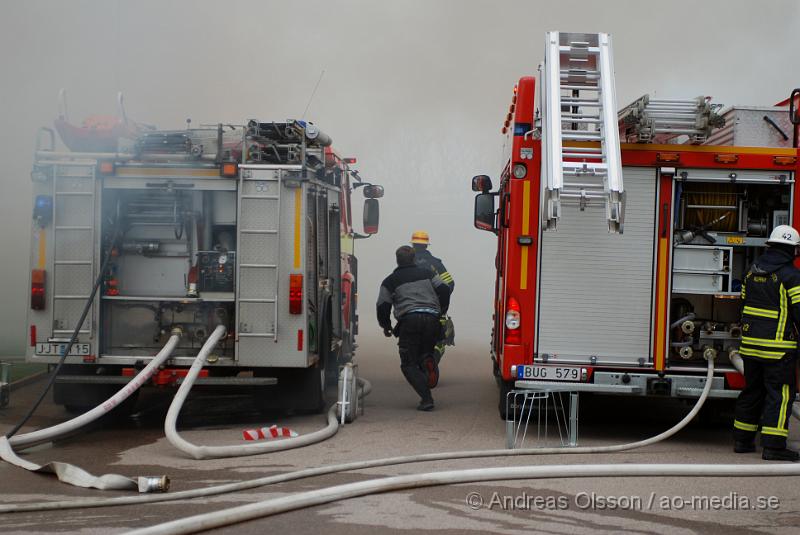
<point x="172" y="245"/>
<point x="719" y="230"/>
<point x="597" y="291"/>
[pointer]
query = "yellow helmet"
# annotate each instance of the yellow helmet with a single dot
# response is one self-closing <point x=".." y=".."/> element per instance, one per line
<point x="420" y="236"/>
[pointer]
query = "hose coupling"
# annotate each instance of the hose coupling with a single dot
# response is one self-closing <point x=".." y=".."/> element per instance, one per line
<point x="153" y="484"/>
<point x="176" y="331"/>
<point x="686" y="352"/>
<point x="687" y="327"/>
<point x="709" y="353"/>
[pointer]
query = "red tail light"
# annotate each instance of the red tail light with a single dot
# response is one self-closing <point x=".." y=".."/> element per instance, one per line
<point x="300" y="340"/>
<point x="513" y="322"/>
<point x="295" y="294"/>
<point x="33" y="335"/>
<point x="37" y="289"/>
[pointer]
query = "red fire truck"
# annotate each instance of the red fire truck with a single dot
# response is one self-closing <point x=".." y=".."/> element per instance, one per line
<point x="623" y="237"/>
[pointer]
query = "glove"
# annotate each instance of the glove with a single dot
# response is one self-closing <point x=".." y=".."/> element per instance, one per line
<point x="387" y="332"/>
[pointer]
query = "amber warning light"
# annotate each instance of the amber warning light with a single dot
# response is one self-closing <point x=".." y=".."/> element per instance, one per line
<point x="229" y="169"/>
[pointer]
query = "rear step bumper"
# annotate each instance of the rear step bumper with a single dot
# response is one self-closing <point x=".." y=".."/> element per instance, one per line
<point x="638" y="384"/>
<point x="200" y="381"/>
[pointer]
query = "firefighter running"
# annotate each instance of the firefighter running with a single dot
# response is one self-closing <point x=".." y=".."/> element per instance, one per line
<point x="419" y="298"/>
<point x="424" y="259"/>
<point x="770" y="318"/>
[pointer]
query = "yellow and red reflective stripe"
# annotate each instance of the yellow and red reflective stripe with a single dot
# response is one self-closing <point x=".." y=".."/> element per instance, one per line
<point x="298" y="219"/>
<point x="750" y="352"/>
<point x="783" y="314"/>
<point x="784" y="405"/>
<point x="526" y="214"/>
<point x="761" y="312"/>
<point x="745" y="427"/>
<point x="783" y="344"/>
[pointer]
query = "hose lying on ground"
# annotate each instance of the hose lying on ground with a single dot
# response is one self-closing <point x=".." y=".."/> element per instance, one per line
<point x="312" y="498"/>
<point x="73" y="475"/>
<point x="360" y="465"/>
<point x="214" y="452"/>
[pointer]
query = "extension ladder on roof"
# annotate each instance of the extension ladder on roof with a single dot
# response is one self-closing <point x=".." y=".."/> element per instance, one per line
<point x="579" y="106"/>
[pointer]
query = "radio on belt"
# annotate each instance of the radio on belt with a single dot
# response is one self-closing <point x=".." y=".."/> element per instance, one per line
<point x="216" y="270"/>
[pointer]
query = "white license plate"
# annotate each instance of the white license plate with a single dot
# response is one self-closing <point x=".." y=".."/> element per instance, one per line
<point x="549" y="373"/>
<point x="77" y="349"/>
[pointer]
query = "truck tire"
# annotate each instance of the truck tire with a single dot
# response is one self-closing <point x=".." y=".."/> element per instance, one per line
<point x="328" y="358"/>
<point x="80" y="398"/>
<point x="298" y="389"/>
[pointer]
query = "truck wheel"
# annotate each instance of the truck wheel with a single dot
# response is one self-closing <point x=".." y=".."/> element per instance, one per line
<point x="99" y="395"/>
<point x="328" y="358"/>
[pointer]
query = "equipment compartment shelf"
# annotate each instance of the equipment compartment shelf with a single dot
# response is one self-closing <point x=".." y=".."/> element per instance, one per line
<point x="220" y="297"/>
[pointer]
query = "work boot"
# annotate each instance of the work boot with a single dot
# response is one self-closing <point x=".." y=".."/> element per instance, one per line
<point x="426" y="406"/>
<point x="431" y="370"/>
<point x="774" y="454"/>
<point x="741" y="446"/>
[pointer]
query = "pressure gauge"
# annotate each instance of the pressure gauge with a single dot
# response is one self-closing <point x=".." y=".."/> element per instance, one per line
<point x="223" y="258"/>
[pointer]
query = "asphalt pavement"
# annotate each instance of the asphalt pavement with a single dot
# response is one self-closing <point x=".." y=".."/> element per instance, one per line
<point x="465" y="418"/>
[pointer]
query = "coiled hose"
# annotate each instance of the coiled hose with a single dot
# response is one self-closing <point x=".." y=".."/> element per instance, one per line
<point x="216" y="452"/>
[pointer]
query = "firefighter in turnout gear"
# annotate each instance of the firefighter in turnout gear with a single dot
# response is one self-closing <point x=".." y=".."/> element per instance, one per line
<point x="420" y="241"/>
<point x="770" y="319"/>
<point x="419" y="298"/>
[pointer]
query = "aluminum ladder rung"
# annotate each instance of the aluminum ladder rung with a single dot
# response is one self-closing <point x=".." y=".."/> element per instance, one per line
<point x="258" y="231"/>
<point x="579" y="87"/>
<point x="257" y="335"/>
<point x="582" y="120"/>
<point x="577" y="135"/>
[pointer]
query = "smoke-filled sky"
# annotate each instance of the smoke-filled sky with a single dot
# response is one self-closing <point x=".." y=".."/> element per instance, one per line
<point x="417" y="90"/>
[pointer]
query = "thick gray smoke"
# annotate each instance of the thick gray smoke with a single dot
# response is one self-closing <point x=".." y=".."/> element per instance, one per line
<point x="417" y="90"/>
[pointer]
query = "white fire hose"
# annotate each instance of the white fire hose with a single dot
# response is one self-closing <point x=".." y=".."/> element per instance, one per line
<point x="361" y="465"/>
<point x="214" y="452"/>
<point x="73" y="475"/>
<point x="313" y="498"/>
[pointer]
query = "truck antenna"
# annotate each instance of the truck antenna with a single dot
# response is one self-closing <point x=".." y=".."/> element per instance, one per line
<point x="314" y="92"/>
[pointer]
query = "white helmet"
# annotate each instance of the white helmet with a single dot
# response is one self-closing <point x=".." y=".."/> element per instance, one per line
<point x="784" y="234"/>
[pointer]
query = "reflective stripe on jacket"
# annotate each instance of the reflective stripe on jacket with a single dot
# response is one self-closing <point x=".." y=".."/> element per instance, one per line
<point x="771" y="306"/>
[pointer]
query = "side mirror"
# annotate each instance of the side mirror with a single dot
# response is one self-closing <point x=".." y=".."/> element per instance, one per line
<point x="373" y="191"/>
<point x="371" y="216"/>
<point x="481" y="183"/>
<point x="484" y="212"/>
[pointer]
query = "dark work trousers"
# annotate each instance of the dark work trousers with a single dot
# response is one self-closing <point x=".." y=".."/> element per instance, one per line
<point x="418" y="334"/>
<point x="766" y="401"/>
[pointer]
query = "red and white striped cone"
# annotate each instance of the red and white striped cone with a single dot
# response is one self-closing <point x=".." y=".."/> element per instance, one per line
<point x="270" y="433"/>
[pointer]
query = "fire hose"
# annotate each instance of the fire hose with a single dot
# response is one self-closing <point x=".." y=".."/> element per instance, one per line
<point x="328" y="495"/>
<point x="360" y="465"/>
<point x="215" y="452"/>
<point x="73" y="475"/>
<point x="313" y="498"/>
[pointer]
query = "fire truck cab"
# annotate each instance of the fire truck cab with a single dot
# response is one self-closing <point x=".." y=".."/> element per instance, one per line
<point x="623" y="240"/>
